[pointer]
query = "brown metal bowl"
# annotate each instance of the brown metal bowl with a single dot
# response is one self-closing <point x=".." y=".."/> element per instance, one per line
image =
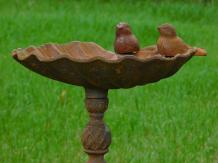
<point x="89" y="65"/>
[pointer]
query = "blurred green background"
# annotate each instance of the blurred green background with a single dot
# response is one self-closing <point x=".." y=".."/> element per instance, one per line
<point x="174" y="120"/>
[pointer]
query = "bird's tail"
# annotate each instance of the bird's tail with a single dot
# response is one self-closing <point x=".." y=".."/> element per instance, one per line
<point x="200" y="52"/>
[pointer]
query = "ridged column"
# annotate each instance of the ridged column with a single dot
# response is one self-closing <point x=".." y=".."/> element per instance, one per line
<point x="96" y="137"/>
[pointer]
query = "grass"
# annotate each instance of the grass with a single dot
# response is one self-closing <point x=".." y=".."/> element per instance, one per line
<point x="174" y="120"/>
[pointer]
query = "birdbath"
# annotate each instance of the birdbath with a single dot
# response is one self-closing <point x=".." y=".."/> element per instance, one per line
<point x="97" y="70"/>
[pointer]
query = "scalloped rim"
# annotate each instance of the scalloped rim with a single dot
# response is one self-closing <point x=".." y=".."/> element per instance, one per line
<point x="120" y="58"/>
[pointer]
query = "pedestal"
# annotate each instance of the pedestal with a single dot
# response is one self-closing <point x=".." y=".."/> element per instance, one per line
<point x="96" y="137"/>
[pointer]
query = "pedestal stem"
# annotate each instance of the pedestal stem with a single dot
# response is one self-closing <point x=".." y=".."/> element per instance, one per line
<point x="96" y="137"/>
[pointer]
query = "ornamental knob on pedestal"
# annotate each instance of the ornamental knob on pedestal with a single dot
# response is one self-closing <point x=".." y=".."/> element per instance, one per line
<point x="96" y="138"/>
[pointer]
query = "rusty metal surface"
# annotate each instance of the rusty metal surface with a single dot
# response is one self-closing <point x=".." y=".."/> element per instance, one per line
<point x="169" y="44"/>
<point x="125" y="41"/>
<point x="96" y="137"/>
<point x="89" y="65"/>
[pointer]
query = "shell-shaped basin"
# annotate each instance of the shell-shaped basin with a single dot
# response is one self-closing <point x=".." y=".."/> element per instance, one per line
<point x="89" y="65"/>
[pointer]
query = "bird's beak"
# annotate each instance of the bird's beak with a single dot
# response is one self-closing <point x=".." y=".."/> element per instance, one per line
<point x="159" y="29"/>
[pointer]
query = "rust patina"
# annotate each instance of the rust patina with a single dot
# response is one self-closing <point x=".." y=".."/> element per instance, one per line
<point x="91" y="66"/>
<point x="88" y="65"/>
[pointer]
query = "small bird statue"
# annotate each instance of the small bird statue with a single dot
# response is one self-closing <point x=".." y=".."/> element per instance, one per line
<point x="125" y="41"/>
<point x="169" y="44"/>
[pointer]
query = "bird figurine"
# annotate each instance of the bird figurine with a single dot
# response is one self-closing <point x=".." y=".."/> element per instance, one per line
<point x="125" y="41"/>
<point x="169" y="44"/>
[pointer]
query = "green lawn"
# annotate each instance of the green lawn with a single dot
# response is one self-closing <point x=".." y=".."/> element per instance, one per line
<point x="174" y="120"/>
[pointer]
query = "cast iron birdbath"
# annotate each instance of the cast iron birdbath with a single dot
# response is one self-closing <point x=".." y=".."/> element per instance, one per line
<point x="97" y="70"/>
